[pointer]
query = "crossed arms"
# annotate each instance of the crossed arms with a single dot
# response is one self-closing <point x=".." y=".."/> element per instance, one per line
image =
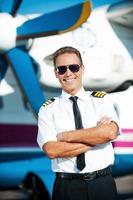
<point x="75" y="142"/>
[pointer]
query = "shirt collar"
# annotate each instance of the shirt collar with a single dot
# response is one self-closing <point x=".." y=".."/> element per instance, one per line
<point x="81" y="94"/>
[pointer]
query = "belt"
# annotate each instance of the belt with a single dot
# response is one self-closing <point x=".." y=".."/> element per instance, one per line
<point x="85" y="176"/>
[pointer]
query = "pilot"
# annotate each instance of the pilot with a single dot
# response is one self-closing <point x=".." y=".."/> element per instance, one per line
<point x="75" y="130"/>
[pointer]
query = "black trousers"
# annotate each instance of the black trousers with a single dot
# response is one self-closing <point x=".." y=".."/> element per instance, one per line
<point x="100" y="188"/>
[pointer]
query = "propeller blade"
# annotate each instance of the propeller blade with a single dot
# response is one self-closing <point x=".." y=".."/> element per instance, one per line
<point x="23" y="69"/>
<point x="56" y="22"/>
<point x="3" y="66"/>
<point x="10" y="6"/>
<point x="15" y="7"/>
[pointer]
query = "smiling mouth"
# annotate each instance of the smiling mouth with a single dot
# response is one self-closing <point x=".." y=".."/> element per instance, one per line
<point x="69" y="80"/>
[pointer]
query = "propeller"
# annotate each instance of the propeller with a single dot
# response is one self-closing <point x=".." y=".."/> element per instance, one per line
<point x="43" y="18"/>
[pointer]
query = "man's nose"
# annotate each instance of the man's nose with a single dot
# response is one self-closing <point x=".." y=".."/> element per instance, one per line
<point x="68" y="71"/>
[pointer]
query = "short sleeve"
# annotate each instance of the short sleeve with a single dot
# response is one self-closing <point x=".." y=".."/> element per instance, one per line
<point x="46" y="128"/>
<point x="105" y="107"/>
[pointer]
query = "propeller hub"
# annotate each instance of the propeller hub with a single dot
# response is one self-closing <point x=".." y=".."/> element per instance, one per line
<point x="7" y="32"/>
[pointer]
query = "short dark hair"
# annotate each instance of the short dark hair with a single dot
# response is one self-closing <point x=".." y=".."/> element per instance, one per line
<point x="66" y="49"/>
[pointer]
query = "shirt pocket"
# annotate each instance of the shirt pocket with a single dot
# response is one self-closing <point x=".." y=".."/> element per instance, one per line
<point x="90" y="118"/>
<point x="63" y="124"/>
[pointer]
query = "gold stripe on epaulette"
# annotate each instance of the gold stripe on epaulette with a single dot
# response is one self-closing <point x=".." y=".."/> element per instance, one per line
<point x="98" y="94"/>
<point x="48" y="102"/>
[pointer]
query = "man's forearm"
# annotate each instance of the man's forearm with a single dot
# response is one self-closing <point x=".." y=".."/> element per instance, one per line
<point x="55" y="149"/>
<point x="91" y="136"/>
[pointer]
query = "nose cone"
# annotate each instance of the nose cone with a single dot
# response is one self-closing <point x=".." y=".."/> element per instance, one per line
<point x="7" y="32"/>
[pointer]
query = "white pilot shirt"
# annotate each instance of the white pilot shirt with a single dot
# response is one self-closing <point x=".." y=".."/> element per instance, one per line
<point x="58" y="117"/>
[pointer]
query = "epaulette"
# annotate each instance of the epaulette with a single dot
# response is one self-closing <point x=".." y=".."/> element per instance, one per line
<point x="98" y="94"/>
<point x="48" y="102"/>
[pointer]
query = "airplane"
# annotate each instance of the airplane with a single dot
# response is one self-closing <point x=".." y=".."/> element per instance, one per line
<point x="22" y="164"/>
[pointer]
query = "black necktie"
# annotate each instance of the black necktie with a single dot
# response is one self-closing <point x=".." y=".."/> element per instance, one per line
<point x="78" y="125"/>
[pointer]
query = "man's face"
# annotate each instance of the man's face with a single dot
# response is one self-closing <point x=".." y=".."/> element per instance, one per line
<point x="70" y="82"/>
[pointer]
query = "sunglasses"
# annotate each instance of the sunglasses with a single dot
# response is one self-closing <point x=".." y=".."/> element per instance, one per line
<point x="72" y="67"/>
